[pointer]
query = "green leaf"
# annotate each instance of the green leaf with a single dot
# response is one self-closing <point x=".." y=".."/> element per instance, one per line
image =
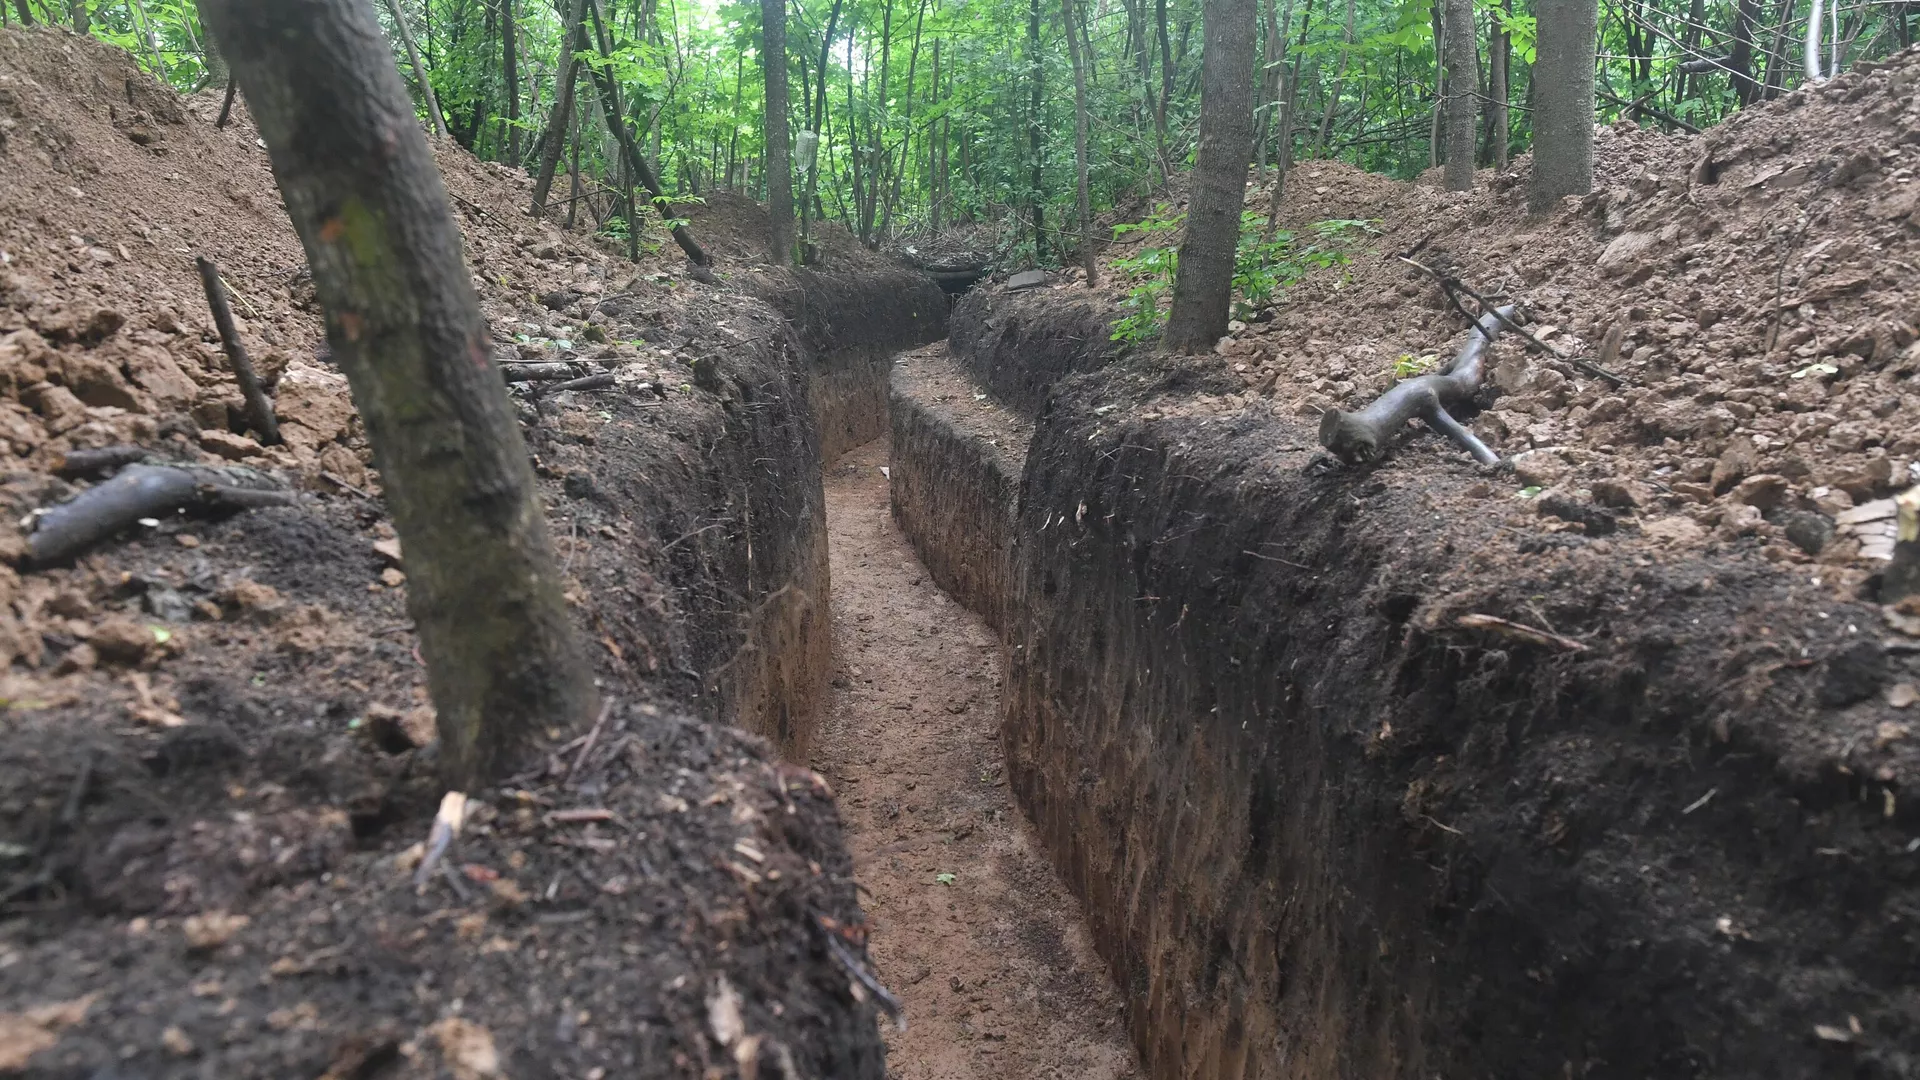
<point x="944" y="879"/>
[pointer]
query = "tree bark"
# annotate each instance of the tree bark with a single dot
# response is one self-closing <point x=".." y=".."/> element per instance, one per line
<point x="1036" y="135"/>
<point x="1563" y="103"/>
<point x="1203" y="284"/>
<point x="510" y="73"/>
<point x="1084" y="202"/>
<point x="1500" y="62"/>
<point x="1463" y="86"/>
<point x="403" y="321"/>
<point x="1435" y="154"/>
<point x="1166" y="85"/>
<point x="779" y="165"/>
<point x="419" y="69"/>
<point x="554" y="141"/>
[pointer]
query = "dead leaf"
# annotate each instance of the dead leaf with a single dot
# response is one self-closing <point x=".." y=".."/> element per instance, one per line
<point x="24" y="1034"/>
<point x="468" y="1049"/>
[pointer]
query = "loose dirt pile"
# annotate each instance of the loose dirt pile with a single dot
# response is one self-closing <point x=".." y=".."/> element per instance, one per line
<point x="215" y="771"/>
<point x="1756" y="286"/>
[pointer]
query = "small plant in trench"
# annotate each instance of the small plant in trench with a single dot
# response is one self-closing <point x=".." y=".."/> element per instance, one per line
<point x="1264" y="265"/>
<point x="945" y="879"/>
<point x="1410" y="365"/>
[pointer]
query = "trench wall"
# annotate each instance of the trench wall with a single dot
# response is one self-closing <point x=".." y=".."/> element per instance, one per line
<point x="1319" y="830"/>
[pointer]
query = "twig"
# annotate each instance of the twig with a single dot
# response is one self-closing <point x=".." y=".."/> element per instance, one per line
<point x="259" y="409"/>
<point x="1701" y="801"/>
<point x="602" y="381"/>
<point x="341" y="483"/>
<point x="226" y="107"/>
<point x="1519" y="630"/>
<point x="1450" y="284"/>
<point x="478" y="209"/>
<point x="89" y="462"/>
<point x="593" y="736"/>
<point x="673" y="543"/>
<point x="888" y="1003"/>
<point x="1278" y="559"/>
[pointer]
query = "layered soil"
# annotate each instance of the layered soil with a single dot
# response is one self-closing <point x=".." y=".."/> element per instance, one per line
<point x="216" y="768"/>
<point x="1420" y="769"/>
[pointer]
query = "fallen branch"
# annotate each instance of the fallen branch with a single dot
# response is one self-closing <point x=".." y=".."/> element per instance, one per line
<point x="259" y="410"/>
<point x="226" y="106"/>
<point x="1358" y="437"/>
<point x="602" y="381"/>
<point x="1452" y="286"/>
<point x="146" y="491"/>
<point x="91" y="462"/>
<point x="553" y="371"/>
<point x="1519" y="630"/>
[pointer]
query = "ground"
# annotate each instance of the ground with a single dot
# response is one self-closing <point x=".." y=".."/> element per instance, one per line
<point x="971" y="924"/>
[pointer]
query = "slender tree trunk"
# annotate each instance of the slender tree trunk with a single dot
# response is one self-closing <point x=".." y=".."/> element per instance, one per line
<point x="1036" y="134"/>
<point x="1203" y="285"/>
<point x="810" y="209"/>
<point x="779" y="166"/>
<point x="1500" y="65"/>
<point x="554" y="141"/>
<point x="1283" y="156"/>
<point x="1084" y="202"/>
<point x="83" y="22"/>
<point x="1563" y="103"/>
<point x="1463" y="85"/>
<point x="1339" y="84"/>
<point x="1271" y="70"/>
<point x="1166" y="85"/>
<point x="936" y="169"/>
<point x="510" y="72"/>
<point x="636" y="164"/>
<point x="1435" y="153"/>
<point x="1740" y="57"/>
<point x="419" y="69"/>
<point x="403" y="321"/>
<point x="26" y="14"/>
<point x="573" y="168"/>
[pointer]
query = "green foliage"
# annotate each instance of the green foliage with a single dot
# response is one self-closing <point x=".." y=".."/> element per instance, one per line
<point x="1264" y="266"/>
<point x="1410" y="365"/>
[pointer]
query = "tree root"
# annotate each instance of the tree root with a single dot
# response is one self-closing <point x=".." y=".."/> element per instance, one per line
<point x="146" y="491"/>
<point x="1360" y="437"/>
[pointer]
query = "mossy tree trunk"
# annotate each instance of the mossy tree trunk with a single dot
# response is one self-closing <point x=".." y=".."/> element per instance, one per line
<point x="404" y="324"/>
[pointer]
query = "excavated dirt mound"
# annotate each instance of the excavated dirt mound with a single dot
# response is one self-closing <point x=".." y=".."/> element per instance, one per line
<point x="215" y="760"/>
<point x="1423" y="769"/>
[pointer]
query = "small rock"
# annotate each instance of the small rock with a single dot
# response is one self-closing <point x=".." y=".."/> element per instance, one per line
<point x="1626" y="253"/>
<point x="1902" y="694"/>
<point x="1854" y="674"/>
<point x="250" y="597"/>
<point x="81" y="657"/>
<point x="1740" y="520"/>
<point x="1674" y="530"/>
<point x="1736" y="462"/>
<point x="559" y="299"/>
<point x="1808" y="531"/>
<point x="388" y="549"/>
<point x="1619" y="493"/>
<point x="392" y="578"/>
<point x="124" y="641"/>
<point x="176" y="1042"/>
<point x="1763" y="490"/>
<point x="228" y="445"/>
<point x="1028" y="279"/>
<point x="1540" y="469"/>
<point x="212" y="929"/>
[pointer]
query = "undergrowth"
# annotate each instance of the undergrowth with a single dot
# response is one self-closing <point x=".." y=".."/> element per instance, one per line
<point x="1264" y="265"/>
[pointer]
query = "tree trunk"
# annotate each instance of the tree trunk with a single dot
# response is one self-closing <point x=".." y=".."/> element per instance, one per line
<point x="83" y="22"/>
<point x="1166" y="85"/>
<point x="573" y="168"/>
<point x="1084" y="201"/>
<point x="1203" y="285"/>
<point x="636" y="164"/>
<point x="1434" y="152"/>
<point x="1339" y="85"/>
<point x="1463" y="85"/>
<point x="419" y="69"/>
<point x="510" y="72"/>
<point x="554" y="141"/>
<point x="779" y="166"/>
<point x="1036" y="134"/>
<point x="404" y="323"/>
<point x="1500" y="61"/>
<point x="1740" y="57"/>
<point x="1272" y="64"/>
<point x="1563" y="103"/>
<point x="810" y="209"/>
<point x="26" y="14"/>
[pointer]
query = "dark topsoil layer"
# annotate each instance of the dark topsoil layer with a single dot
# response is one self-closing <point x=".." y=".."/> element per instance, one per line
<point x="214" y="763"/>
<point x="1323" y="825"/>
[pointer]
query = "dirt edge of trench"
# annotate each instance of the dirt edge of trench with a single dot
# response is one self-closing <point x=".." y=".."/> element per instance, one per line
<point x="1319" y="829"/>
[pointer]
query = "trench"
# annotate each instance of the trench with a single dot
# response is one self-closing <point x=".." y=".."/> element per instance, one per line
<point x="970" y="923"/>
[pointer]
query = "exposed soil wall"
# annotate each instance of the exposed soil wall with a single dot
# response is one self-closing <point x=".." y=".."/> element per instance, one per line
<point x="1016" y="345"/>
<point x="954" y="478"/>
<point x="215" y="765"/>
<point x="1321" y="828"/>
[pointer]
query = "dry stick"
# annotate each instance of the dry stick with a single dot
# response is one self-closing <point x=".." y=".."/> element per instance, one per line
<point x="1358" y="437"/>
<point x="1522" y="631"/>
<point x="226" y="107"/>
<point x="259" y="409"/>
<point x="602" y="381"/>
<point x="1450" y="284"/>
<point x="593" y="736"/>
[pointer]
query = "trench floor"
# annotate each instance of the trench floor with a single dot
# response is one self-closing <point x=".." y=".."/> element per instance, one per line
<point x="971" y="927"/>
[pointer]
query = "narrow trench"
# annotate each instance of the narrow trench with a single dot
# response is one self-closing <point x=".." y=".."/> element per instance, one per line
<point x="971" y="925"/>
